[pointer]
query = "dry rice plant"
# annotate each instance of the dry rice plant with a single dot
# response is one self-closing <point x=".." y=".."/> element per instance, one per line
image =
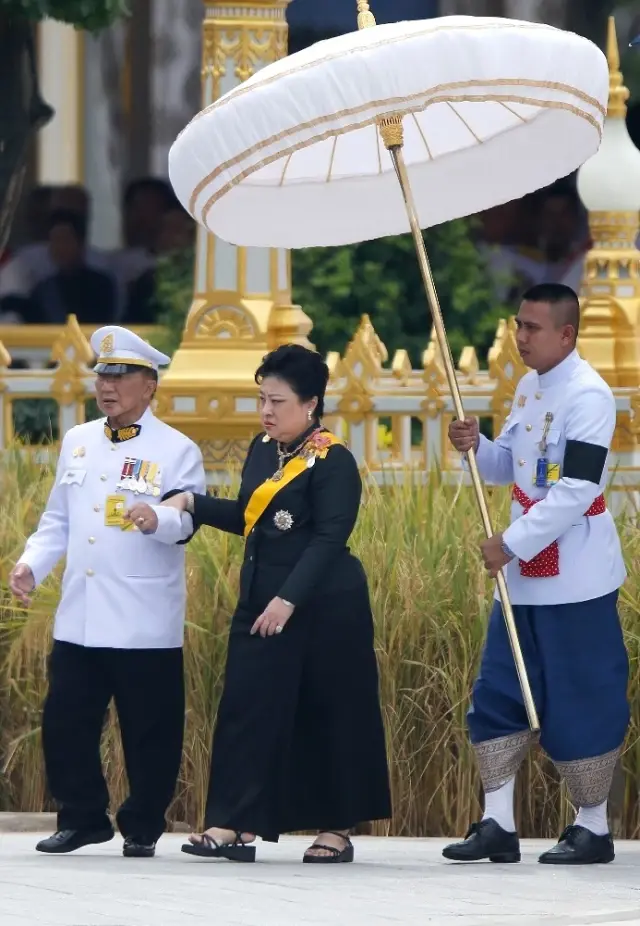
<point x="419" y="545"/>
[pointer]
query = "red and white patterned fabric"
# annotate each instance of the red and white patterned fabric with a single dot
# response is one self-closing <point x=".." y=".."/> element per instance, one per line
<point x="547" y="562"/>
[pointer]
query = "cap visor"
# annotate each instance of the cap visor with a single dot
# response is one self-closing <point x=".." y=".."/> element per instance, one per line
<point x="116" y="369"/>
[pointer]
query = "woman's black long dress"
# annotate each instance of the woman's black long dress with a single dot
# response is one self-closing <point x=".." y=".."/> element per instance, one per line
<point x="299" y="741"/>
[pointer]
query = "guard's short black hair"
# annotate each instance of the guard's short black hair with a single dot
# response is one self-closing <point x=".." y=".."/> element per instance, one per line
<point x="563" y="300"/>
<point x="302" y="369"/>
<point x="68" y="217"/>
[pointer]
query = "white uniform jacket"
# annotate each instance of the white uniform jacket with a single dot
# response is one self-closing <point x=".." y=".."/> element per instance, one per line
<point x="583" y="419"/>
<point x="121" y="588"/>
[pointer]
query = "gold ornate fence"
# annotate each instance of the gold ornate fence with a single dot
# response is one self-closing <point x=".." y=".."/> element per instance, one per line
<point x="393" y="416"/>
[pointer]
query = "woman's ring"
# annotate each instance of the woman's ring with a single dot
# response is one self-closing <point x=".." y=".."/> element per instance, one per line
<point x="278" y="629"/>
<point x="140" y="520"/>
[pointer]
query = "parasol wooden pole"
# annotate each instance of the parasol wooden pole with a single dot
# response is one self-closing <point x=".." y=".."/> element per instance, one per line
<point x="392" y="134"/>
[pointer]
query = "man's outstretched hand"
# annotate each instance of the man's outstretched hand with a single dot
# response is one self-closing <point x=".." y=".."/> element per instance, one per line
<point x="22" y="583"/>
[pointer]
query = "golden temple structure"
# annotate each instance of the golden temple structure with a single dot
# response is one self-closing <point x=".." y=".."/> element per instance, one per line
<point x="611" y="285"/>
<point x="610" y="293"/>
<point x="242" y="296"/>
<point x="395" y="417"/>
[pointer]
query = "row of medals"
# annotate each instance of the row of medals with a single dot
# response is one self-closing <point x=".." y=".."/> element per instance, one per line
<point x="138" y="486"/>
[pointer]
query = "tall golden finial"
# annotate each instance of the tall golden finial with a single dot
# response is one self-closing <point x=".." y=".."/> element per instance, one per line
<point x="618" y="93"/>
<point x="366" y="19"/>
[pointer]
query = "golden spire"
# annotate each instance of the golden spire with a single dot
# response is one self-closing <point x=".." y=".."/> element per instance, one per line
<point x="618" y="93"/>
<point x="366" y="19"/>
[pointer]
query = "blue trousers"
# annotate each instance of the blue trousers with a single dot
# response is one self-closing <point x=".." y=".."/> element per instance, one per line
<point x="578" y="670"/>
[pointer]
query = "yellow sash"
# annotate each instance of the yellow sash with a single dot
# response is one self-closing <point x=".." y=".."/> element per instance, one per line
<point x="267" y="491"/>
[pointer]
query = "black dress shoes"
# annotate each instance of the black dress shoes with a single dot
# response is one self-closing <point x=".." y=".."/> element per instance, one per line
<point x="485" y="840"/>
<point x="139" y="847"/>
<point x="579" y="846"/>
<point x="70" y="840"/>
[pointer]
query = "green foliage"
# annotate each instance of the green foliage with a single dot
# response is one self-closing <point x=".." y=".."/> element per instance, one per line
<point x="336" y="286"/>
<point x="91" y="410"/>
<point x="84" y="14"/>
<point x="174" y="292"/>
<point x="36" y="421"/>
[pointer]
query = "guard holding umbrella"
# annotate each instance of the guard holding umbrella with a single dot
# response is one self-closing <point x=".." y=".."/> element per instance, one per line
<point x="564" y="568"/>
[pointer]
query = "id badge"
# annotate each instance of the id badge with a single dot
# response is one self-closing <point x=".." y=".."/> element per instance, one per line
<point x="540" y="480"/>
<point x="547" y="474"/>
<point x="553" y="474"/>
<point x="114" y="509"/>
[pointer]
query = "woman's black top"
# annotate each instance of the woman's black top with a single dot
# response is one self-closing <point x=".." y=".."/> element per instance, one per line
<point x="297" y="548"/>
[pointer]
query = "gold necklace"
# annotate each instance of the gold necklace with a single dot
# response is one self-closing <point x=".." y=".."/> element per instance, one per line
<point x="283" y="457"/>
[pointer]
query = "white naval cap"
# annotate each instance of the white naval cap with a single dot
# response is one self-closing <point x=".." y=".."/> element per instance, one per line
<point x="118" y="348"/>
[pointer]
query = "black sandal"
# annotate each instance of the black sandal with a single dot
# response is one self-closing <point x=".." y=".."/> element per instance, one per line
<point x="337" y="855"/>
<point x="236" y="851"/>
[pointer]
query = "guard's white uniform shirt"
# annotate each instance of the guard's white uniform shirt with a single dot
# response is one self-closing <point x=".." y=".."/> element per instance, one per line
<point x="583" y="408"/>
<point x="121" y="589"/>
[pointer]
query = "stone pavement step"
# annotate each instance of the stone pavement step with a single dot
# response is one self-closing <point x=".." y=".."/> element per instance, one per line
<point x="393" y="881"/>
<point x="27" y="822"/>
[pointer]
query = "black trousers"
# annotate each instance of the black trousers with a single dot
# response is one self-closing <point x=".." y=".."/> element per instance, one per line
<point x="148" y="689"/>
<point x="299" y="742"/>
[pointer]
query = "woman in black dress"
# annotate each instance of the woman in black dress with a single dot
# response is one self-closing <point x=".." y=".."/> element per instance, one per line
<point x="299" y="741"/>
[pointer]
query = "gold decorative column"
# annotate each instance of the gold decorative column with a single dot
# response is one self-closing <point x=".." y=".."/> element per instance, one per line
<point x="609" y="184"/>
<point x="242" y="296"/>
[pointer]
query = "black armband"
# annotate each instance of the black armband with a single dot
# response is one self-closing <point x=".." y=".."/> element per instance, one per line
<point x="584" y="461"/>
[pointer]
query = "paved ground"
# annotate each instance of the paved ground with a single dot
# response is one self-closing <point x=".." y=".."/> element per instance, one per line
<point x="393" y="881"/>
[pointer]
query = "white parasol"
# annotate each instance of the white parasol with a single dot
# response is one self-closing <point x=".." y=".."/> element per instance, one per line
<point x="463" y="112"/>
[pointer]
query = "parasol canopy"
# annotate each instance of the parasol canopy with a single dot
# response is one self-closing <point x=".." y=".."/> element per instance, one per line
<point x="494" y="109"/>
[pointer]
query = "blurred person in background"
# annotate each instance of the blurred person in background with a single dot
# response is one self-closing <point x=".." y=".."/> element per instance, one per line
<point x="175" y="237"/>
<point x="73" y="288"/>
<point x="509" y="243"/>
<point x="33" y="263"/>
<point x="564" y="235"/>
<point x="144" y="204"/>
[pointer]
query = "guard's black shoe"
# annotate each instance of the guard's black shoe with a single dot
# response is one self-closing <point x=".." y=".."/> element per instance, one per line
<point x="139" y="847"/>
<point x="579" y="846"/>
<point x="70" y="840"/>
<point x="485" y="840"/>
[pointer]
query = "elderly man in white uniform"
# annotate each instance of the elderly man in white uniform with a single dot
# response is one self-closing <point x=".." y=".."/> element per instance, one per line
<point x="119" y="627"/>
<point x="564" y="569"/>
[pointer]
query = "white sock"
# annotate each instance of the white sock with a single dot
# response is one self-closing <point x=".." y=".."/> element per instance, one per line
<point x="498" y="806"/>
<point x="594" y="819"/>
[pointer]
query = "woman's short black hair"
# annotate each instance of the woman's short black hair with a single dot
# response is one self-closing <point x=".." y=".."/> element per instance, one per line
<point x="302" y="369"/>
